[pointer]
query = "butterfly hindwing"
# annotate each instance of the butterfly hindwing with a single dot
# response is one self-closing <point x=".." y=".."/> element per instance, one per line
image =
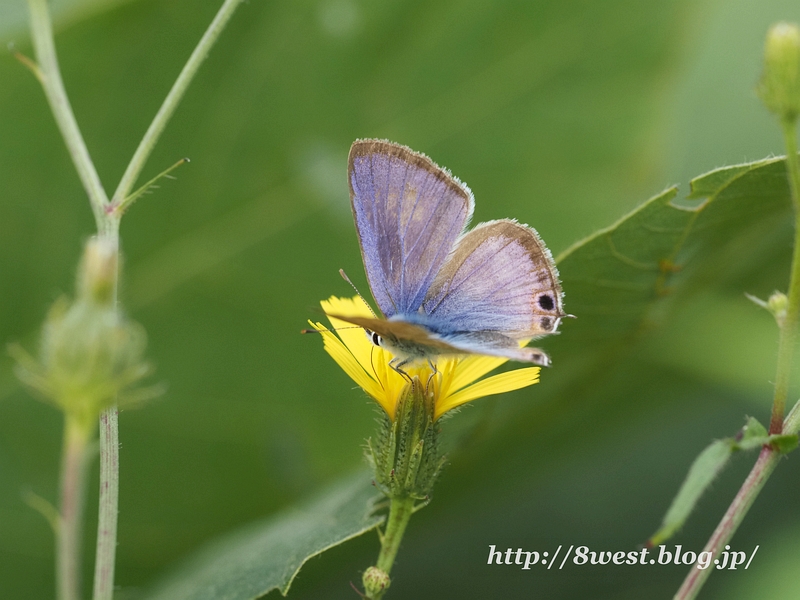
<point x="402" y="333"/>
<point x="409" y="340"/>
<point x="500" y="278"/>
<point x="491" y="343"/>
<point x="408" y="213"/>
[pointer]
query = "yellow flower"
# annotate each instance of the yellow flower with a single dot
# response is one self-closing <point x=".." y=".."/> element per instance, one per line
<point x="368" y="365"/>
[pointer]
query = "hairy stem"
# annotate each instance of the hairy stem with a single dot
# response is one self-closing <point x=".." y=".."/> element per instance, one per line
<point x="109" y="501"/>
<point x="765" y="465"/>
<point x="792" y="423"/>
<point x="70" y="522"/>
<point x="787" y="340"/>
<point x="172" y="100"/>
<point x="42" y="35"/>
<point x="400" y="510"/>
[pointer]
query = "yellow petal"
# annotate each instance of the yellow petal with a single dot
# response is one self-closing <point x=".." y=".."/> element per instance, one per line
<point x="497" y="384"/>
<point x="368" y="365"/>
<point x="352" y="336"/>
<point x="472" y="368"/>
<point x="345" y="359"/>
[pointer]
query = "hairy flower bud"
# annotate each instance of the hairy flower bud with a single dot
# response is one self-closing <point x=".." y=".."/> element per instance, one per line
<point x="778" y="304"/>
<point x="779" y="87"/>
<point x="406" y="456"/>
<point x="90" y="354"/>
<point x="375" y="582"/>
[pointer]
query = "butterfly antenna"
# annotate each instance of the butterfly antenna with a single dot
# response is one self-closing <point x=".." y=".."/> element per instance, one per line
<point x="352" y="285"/>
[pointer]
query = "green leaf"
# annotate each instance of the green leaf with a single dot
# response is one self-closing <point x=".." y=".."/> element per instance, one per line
<point x="267" y="555"/>
<point x="753" y="435"/>
<point x="707" y="184"/>
<point x="621" y="280"/>
<point x="784" y="443"/>
<point x="703" y="471"/>
<point x="615" y="274"/>
<point x="708" y="465"/>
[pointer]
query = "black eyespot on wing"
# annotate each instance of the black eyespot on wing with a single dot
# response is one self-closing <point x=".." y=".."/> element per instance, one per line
<point x="546" y="323"/>
<point x="546" y="302"/>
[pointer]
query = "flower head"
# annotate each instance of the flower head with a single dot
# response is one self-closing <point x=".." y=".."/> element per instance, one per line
<point x="454" y="383"/>
<point x="91" y="356"/>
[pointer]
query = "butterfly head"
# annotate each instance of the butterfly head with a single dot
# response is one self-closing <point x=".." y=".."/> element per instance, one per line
<point x="374" y="337"/>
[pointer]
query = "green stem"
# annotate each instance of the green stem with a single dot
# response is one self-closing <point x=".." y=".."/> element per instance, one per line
<point x="172" y="100"/>
<point x="108" y="501"/>
<point x="787" y="338"/>
<point x="70" y="522"/>
<point x="105" y="555"/>
<point x="792" y="423"/>
<point x="42" y="35"/>
<point x="400" y="511"/>
<point x="765" y="465"/>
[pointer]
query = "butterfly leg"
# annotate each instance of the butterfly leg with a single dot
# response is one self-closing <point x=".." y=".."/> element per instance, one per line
<point x="396" y="364"/>
<point x="434" y="373"/>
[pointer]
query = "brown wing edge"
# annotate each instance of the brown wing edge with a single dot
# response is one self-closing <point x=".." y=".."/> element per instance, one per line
<point x="512" y="229"/>
<point x="401" y="330"/>
<point x="533" y="242"/>
<point x="368" y="146"/>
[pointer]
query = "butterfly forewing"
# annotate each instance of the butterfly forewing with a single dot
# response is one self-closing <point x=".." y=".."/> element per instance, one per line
<point x="499" y="278"/>
<point x="408" y="214"/>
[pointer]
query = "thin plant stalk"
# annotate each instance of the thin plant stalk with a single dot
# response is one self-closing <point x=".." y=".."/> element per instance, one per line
<point x="69" y="530"/>
<point x="44" y="44"/>
<point x="107" y="219"/>
<point x="400" y="511"/>
<point x="172" y="100"/>
<point x="105" y="557"/>
<point x="752" y="486"/>
<point x="787" y="340"/>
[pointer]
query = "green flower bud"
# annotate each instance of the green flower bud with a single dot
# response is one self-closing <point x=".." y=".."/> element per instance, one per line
<point x="375" y="582"/>
<point x="777" y="305"/>
<point x="406" y="457"/>
<point x="779" y="87"/>
<point x="90" y="355"/>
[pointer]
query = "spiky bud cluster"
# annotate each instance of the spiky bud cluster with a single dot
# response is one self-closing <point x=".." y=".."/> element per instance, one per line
<point x="406" y="456"/>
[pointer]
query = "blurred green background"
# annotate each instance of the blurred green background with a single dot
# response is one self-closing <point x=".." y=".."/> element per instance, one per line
<point x="564" y="115"/>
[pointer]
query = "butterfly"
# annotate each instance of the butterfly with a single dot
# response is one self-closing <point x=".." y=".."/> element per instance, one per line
<point x="443" y="290"/>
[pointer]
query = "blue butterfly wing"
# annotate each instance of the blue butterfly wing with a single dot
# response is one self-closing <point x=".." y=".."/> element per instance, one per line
<point x="424" y="343"/>
<point x="408" y="213"/>
<point x="500" y="278"/>
<point x="491" y="343"/>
